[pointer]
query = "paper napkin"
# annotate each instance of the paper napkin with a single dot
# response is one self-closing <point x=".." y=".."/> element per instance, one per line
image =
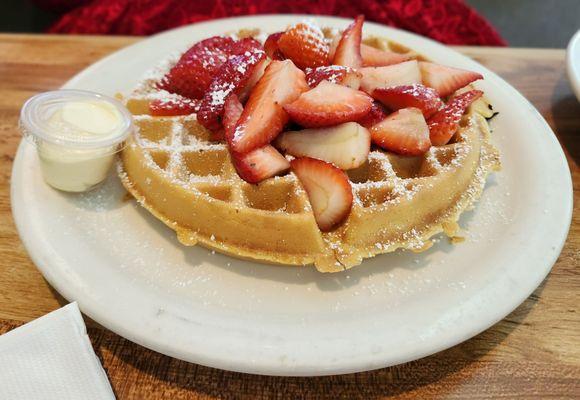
<point x="52" y="358"/>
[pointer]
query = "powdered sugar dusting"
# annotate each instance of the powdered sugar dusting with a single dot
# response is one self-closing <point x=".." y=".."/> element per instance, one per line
<point x="147" y="85"/>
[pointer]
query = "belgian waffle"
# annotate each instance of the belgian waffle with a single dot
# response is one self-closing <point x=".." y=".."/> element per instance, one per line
<point x="174" y="169"/>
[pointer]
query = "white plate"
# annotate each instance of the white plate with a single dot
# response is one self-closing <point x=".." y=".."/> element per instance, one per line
<point x="573" y="63"/>
<point x="128" y="272"/>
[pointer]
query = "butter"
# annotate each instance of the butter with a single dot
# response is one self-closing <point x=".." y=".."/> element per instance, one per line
<point x="77" y="135"/>
<point x="89" y="117"/>
<point x="73" y="170"/>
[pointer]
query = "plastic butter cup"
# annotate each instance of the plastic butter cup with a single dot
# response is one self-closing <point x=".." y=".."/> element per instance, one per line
<point x="77" y="134"/>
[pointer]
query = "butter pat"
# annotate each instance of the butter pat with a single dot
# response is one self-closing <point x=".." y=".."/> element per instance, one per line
<point x="73" y="170"/>
<point x="77" y="135"/>
<point x="88" y="117"/>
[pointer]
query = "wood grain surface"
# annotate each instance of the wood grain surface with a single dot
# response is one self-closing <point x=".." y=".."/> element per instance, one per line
<point x="534" y="353"/>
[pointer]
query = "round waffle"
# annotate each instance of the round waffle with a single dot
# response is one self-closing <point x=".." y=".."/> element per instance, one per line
<point x="187" y="181"/>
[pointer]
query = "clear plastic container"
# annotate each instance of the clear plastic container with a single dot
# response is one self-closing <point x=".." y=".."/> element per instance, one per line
<point x="77" y="134"/>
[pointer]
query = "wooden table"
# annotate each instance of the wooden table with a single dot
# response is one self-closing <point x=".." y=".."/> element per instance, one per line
<point x="533" y="353"/>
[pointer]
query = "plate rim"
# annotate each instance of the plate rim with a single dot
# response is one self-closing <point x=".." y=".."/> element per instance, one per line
<point x="573" y="64"/>
<point x="92" y="309"/>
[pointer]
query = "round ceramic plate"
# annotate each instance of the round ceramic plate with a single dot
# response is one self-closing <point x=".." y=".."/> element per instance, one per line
<point x="128" y="272"/>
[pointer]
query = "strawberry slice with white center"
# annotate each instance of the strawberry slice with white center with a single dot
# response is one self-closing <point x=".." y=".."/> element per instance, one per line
<point x="271" y="46"/>
<point x="258" y="164"/>
<point x="304" y="44"/>
<point x="333" y="44"/>
<point x="172" y="107"/>
<point x="328" y="104"/>
<point x="232" y="77"/>
<point x="257" y="73"/>
<point x="418" y="96"/>
<point x="346" y="145"/>
<point x="328" y="189"/>
<point x="403" y="132"/>
<point x="444" y="79"/>
<point x="374" y="116"/>
<point x="348" y="51"/>
<point x="373" y="57"/>
<point x="233" y="109"/>
<point x="405" y="73"/>
<point x="444" y="124"/>
<point x="264" y="116"/>
<point x="338" y="74"/>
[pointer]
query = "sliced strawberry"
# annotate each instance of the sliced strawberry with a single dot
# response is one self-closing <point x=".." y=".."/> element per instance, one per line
<point x="348" y="52"/>
<point x="271" y="46"/>
<point x="346" y="145"/>
<point x="444" y="124"/>
<point x="405" y="73"/>
<point x="264" y="116"/>
<point x="328" y="190"/>
<point x="404" y="132"/>
<point x="444" y="79"/>
<point x="304" y="44"/>
<point x="257" y="73"/>
<point x="233" y="75"/>
<point x="333" y="44"/>
<point x="192" y="74"/>
<point x="329" y="104"/>
<point x="173" y="107"/>
<point x="258" y="164"/>
<point x="233" y="109"/>
<point x="374" y="116"/>
<point x="396" y="97"/>
<point x="334" y="74"/>
<point x="217" y="136"/>
<point x="372" y="57"/>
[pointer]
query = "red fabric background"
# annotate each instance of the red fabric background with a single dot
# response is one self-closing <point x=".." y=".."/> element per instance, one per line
<point x="448" y="21"/>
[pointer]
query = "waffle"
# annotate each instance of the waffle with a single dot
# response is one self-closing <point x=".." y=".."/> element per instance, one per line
<point x="187" y="181"/>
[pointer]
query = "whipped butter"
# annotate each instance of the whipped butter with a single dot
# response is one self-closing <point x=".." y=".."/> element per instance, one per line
<point x="77" y="134"/>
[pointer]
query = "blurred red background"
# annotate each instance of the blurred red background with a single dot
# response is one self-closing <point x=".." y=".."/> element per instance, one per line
<point x="448" y="21"/>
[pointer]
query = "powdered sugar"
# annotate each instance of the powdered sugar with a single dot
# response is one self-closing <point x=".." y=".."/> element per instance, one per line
<point x="218" y="95"/>
<point x="147" y="85"/>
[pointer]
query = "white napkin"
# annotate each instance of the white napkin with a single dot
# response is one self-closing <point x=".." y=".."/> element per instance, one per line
<point x="52" y="358"/>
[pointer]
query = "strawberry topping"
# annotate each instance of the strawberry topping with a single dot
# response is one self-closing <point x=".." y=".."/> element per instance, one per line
<point x="192" y="74"/>
<point x="329" y="104"/>
<point x="334" y="74"/>
<point x="444" y="124"/>
<point x="255" y="165"/>
<point x="405" y="73"/>
<point x="396" y="97"/>
<point x="271" y="46"/>
<point x="264" y="116"/>
<point x="372" y="57"/>
<point x="374" y="116"/>
<point x="346" y="145"/>
<point x="404" y="132"/>
<point x="304" y="44"/>
<point x="328" y="189"/>
<point x="446" y="80"/>
<point x="348" y="52"/>
<point x="232" y="77"/>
